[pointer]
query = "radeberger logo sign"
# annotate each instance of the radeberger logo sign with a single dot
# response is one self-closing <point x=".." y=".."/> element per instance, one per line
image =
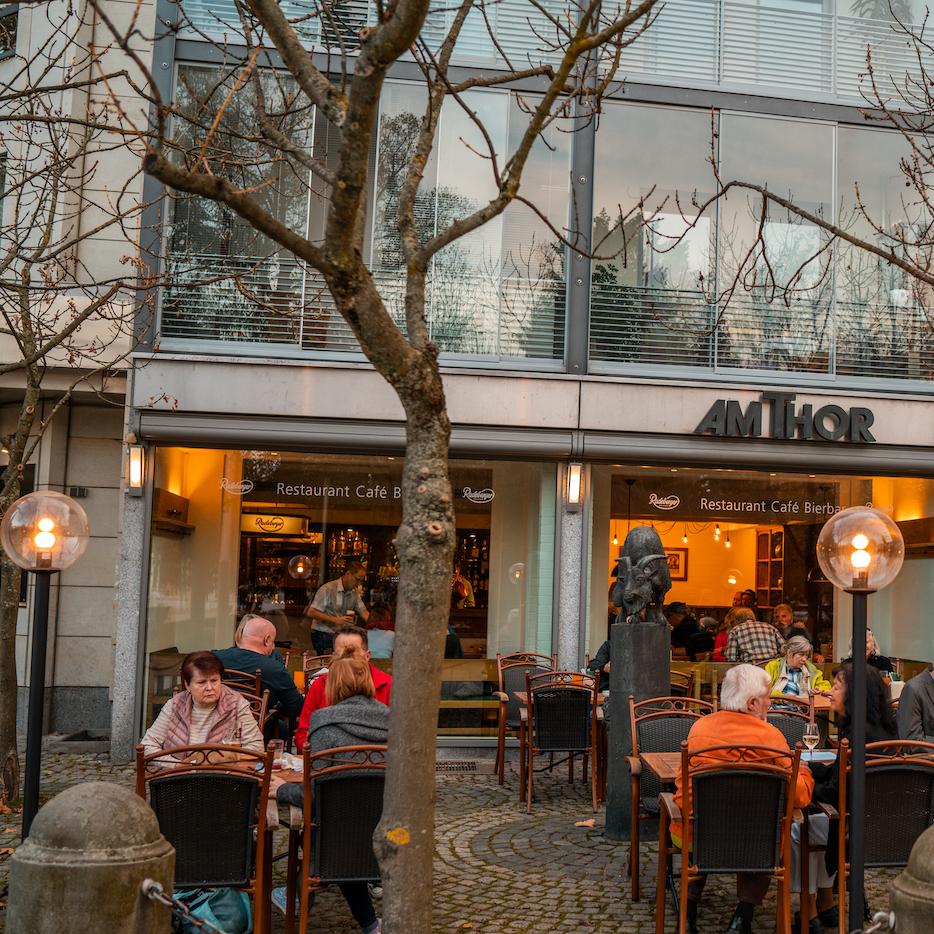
<point x="664" y="502"/>
<point x="727" y="418"/>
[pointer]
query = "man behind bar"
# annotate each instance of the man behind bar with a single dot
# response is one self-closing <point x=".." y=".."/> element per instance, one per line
<point x="337" y="603"/>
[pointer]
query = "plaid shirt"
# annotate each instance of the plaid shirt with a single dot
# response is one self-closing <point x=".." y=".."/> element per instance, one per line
<point x="753" y="642"/>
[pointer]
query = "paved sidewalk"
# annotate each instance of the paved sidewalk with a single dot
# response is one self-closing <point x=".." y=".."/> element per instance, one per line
<point x="498" y="870"/>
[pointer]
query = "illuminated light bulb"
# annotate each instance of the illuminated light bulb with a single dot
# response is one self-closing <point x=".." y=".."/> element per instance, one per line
<point x="684" y="538"/>
<point x="860" y="541"/>
<point x="731" y="580"/>
<point x="860" y="559"/>
<point x="615" y="540"/>
<point x="45" y="541"/>
<point x="727" y="543"/>
<point x="716" y="532"/>
<point x="46" y="524"/>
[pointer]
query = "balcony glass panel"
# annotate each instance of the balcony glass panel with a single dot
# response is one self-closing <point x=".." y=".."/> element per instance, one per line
<point x="653" y="252"/>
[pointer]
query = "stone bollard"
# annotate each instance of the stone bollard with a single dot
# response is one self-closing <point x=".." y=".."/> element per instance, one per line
<point x="913" y="889"/>
<point x="87" y="853"/>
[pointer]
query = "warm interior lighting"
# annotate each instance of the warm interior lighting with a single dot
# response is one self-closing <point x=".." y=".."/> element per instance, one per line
<point x="575" y="479"/>
<point x="860" y="559"/>
<point x="727" y="543"/>
<point x="135" y="467"/>
<point x="860" y="541"/>
<point x="615" y="540"/>
<point x="684" y="538"/>
<point x="716" y="532"/>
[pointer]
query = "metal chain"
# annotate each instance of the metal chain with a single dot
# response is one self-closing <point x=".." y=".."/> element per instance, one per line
<point x="154" y="892"/>
<point x="881" y="921"/>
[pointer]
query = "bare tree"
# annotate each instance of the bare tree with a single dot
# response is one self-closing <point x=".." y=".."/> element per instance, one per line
<point x="69" y="257"/>
<point x="245" y="139"/>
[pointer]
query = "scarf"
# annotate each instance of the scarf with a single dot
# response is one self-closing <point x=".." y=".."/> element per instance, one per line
<point x="222" y="719"/>
<point x="790" y="681"/>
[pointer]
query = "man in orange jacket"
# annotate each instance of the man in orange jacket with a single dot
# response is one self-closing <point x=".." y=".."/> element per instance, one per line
<point x="741" y="721"/>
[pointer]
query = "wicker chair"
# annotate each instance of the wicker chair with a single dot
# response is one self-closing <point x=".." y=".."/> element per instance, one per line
<point x="682" y="683"/>
<point x="214" y="814"/>
<point x="791" y="723"/>
<point x="754" y="790"/>
<point x="244" y="682"/>
<point x="899" y="806"/>
<point x="510" y="672"/>
<point x="659" y="724"/>
<point x="563" y="716"/>
<point x="343" y="803"/>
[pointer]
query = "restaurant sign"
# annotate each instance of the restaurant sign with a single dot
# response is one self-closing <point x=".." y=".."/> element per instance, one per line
<point x="727" y="418"/>
<point x="264" y="524"/>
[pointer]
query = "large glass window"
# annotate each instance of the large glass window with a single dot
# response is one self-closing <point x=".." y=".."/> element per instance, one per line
<point x="259" y="531"/>
<point x="775" y="275"/>
<point x="727" y="531"/>
<point x="498" y="290"/>
<point x="654" y="252"/>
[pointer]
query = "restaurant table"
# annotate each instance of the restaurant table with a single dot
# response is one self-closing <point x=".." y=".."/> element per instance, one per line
<point x="663" y="765"/>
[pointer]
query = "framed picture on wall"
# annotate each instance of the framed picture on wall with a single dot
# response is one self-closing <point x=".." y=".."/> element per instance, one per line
<point x="678" y="563"/>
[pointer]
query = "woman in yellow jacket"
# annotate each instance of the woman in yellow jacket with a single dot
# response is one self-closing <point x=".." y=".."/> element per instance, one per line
<point x="794" y="674"/>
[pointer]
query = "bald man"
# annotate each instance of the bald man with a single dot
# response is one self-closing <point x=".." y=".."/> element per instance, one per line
<point x="256" y="648"/>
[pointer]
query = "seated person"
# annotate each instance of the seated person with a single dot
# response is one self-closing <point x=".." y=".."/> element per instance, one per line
<point x="741" y="721"/>
<point x="916" y="708"/>
<point x="351" y="640"/>
<point x="873" y="657"/>
<point x="206" y="711"/>
<point x="353" y="717"/>
<point x="601" y="662"/>
<point x="793" y="674"/>
<point x="256" y="648"/>
<point x="380" y="634"/>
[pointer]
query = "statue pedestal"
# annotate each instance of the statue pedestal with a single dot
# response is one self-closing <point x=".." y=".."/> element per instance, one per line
<point x="640" y="656"/>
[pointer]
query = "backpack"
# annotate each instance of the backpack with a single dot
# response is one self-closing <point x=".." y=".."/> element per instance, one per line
<point x="227" y="909"/>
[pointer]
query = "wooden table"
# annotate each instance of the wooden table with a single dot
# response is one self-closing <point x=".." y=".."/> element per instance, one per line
<point x="663" y="765"/>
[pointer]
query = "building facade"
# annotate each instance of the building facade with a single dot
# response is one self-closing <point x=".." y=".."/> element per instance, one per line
<point x="271" y="447"/>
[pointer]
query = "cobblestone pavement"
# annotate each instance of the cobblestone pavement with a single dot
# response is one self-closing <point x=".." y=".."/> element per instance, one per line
<point x="497" y="869"/>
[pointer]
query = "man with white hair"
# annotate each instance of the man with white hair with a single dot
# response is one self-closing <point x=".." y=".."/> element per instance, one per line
<point x="256" y="648"/>
<point x="740" y="721"/>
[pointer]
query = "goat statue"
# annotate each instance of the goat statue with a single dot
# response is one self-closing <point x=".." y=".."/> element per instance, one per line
<point x="642" y="578"/>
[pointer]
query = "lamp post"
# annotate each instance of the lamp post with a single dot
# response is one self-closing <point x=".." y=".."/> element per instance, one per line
<point x="42" y="532"/>
<point x="860" y="550"/>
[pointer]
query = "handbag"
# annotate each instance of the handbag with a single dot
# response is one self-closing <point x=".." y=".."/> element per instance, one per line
<point x="227" y="909"/>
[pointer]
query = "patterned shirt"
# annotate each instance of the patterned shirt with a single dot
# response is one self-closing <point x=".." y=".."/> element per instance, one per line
<point x="753" y="642"/>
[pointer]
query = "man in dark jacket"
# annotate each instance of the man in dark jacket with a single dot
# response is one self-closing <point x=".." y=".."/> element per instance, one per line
<point x="916" y="708"/>
<point x="256" y="648"/>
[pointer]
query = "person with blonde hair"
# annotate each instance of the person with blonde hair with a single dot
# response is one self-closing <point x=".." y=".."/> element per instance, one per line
<point x="353" y="717"/>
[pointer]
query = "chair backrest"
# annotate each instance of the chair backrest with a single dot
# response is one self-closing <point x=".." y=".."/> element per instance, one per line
<point x="344" y="801"/>
<point x="511" y="671"/>
<point x="212" y="812"/>
<point x="562" y="710"/>
<point x="244" y="682"/>
<point x="311" y="664"/>
<point x="791" y="724"/>
<point x="661" y="724"/>
<point x="752" y="791"/>
<point x="899" y="798"/>
<point x="259" y="706"/>
<point x="682" y="683"/>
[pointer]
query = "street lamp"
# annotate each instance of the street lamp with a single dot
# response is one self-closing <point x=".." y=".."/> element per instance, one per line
<point x="42" y="532"/>
<point x="860" y="550"/>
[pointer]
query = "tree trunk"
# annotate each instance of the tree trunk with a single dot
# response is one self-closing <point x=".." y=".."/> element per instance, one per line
<point x="404" y="839"/>
<point x="9" y="609"/>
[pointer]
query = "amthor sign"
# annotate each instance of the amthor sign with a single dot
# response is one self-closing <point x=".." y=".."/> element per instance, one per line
<point x="727" y="418"/>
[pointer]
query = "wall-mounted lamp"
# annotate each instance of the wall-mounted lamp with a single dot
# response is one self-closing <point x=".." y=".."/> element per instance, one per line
<point x="574" y="493"/>
<point x="136" y="472"/>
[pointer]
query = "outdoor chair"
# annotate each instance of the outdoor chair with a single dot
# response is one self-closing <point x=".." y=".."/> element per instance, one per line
<point x="741" y="811"/>
<point x="510" y="673"/>
<point x="899" y="807"/>
<point x="214" y="814"/>
<point x="343" y="803"/>
<point x="682" y="683"/>
<point x="244" y="682"/>
<point x="312" y="664"/>
<point x="791" y="723"/>
<point x="562" y="717"/>
<point x="659" y="724"/>
<point x="259" y="707"/>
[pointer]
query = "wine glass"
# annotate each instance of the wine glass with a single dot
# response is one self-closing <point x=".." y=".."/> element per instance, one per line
<point x="811" y="736"/>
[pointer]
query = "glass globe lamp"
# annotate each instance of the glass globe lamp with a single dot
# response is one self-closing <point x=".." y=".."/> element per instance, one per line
<point x="300" y="567"/>
<point x="860" y="549"/>
<point x="44" y="531"/>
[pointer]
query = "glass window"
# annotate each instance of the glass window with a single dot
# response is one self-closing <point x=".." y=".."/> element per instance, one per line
<point x="498" y="290"/>
<point x="729" y="531"/>
<point x="260" y="531"/>
<point x="882" y="316"/>
<point x="648" y="295"/>
<point x="775" y="287"/>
